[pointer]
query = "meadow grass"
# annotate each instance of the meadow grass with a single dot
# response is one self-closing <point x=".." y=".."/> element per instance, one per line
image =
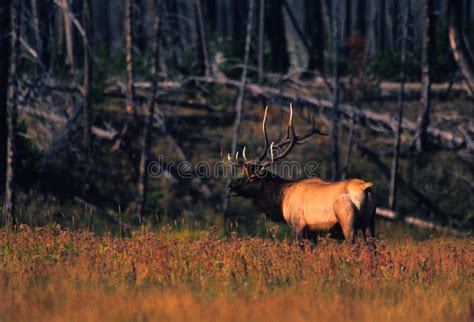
<point x="52" y="274"/>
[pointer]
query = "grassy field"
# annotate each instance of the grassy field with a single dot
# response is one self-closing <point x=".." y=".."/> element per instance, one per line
<point x="51" y="274"/>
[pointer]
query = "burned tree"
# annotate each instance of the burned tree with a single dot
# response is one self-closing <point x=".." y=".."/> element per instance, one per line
<point x="88" y="71"/>
<point x="145" y="153"/>
<point x="203" y="46"/>
<point x="10" y="184"/>
<point x="392" y="199"/>
<point x="5" y="29"/>
<point x="275" y="28"/>
<point x="315" y="27"/>
<point x="426" y="62"/>
<point x="243" y="81"/>
<point x="261" y="39"/>
<point x="129" y="40"/>
<point x="335" y="116"/>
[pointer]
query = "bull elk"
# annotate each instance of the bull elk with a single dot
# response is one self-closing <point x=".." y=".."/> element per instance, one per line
<point x="311" y="207"/>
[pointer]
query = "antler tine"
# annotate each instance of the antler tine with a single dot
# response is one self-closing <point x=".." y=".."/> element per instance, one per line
<point x="265" y="136"/>
<point x="271" y="150"/>
<point x="313" y="130"/>
<point x="290" y="130"/>
<point x="243" y="153"/>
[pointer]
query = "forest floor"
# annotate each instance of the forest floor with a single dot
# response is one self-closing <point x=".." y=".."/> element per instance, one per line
<point x="52" y="274"/>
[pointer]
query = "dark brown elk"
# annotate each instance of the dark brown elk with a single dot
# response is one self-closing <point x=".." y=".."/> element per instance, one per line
<point x="311" y="207"/>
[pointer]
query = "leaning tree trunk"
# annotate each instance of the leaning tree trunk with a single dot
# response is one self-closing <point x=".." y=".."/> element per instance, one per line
<point x="145" y="154"/>
<point x="9" y="204"/>
<point x="240" y="98"/>
<point x="5" y="28"/>
<point x="392" y="200"/>
<point x="36" y="33"/>
<point x="458" y="45"/>
<point x="68" y="33"/>
<point x="335" y="118"/>
<point x="88" y="70"/>
<point x="426" y="61"/>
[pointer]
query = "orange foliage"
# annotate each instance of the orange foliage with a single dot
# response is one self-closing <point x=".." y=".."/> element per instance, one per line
<point x="51" y="274"/>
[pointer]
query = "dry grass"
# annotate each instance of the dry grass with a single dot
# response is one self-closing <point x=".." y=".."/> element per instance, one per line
<point x="56" y="275"/>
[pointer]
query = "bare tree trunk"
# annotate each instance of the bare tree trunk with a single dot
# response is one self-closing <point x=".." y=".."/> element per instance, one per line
<point x="350" y="142"/>
<point x="36" y="33"/>
<point x="347" y="31"/>
<point x="276" y="35"/>
<point x="361" y="13"/>
<point x="88" y="71"/>
<point x="10" y="180"/>
<point x="44" y="17"/>
<point x="5" y="44"/>
<point x="392" y="200"/>
<point x="129" y="58"/>
<point x="261" y="40"/>
<point x="389" y="24"/>
<point x="294" y="22"/>
<point x="240" y="97"/>
<point x="315" y="26"/>
<point x="224" y="18"/>
<point x="140" y="18"/>
<point x="325" y="12"/>
<point x="335" y="119"/>
<point x="458" y="44"/>
<point x="202" y="43"/>
<point x="68" y="34"/>
<point x="129" y="40"/>
<point x="427" y="49"/>
<point x="381" y="32"/>
<point x="145" y="154"/>
<point x="371" y="36"/>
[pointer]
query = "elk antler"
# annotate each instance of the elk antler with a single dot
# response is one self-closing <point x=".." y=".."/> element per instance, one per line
<point x="290" y="140"/>
<point x="288" y="143"/>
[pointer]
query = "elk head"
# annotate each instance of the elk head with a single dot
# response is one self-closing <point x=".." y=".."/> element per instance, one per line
<point x="256" y="177"/>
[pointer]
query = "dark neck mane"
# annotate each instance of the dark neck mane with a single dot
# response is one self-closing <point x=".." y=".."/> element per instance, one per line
<point x="271" y="198"/>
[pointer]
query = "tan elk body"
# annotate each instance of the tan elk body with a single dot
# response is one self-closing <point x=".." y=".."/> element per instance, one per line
<point x="314" y="206"/>
<point x="309" y="206"/>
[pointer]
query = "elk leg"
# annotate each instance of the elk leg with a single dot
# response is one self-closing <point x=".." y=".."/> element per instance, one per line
<point x="345" y="212"/>
<point x="370" y="229"/>
<point x="370" y="232"/>
<point x="303" y="235"/>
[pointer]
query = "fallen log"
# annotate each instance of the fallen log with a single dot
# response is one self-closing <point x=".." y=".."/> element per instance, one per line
<point x="375" y="120"/>
<point x="391" y="215"/>
<point x="56" y="118"/>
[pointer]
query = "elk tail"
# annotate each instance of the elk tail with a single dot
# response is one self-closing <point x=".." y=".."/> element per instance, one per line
<point x="367" y="185"/>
